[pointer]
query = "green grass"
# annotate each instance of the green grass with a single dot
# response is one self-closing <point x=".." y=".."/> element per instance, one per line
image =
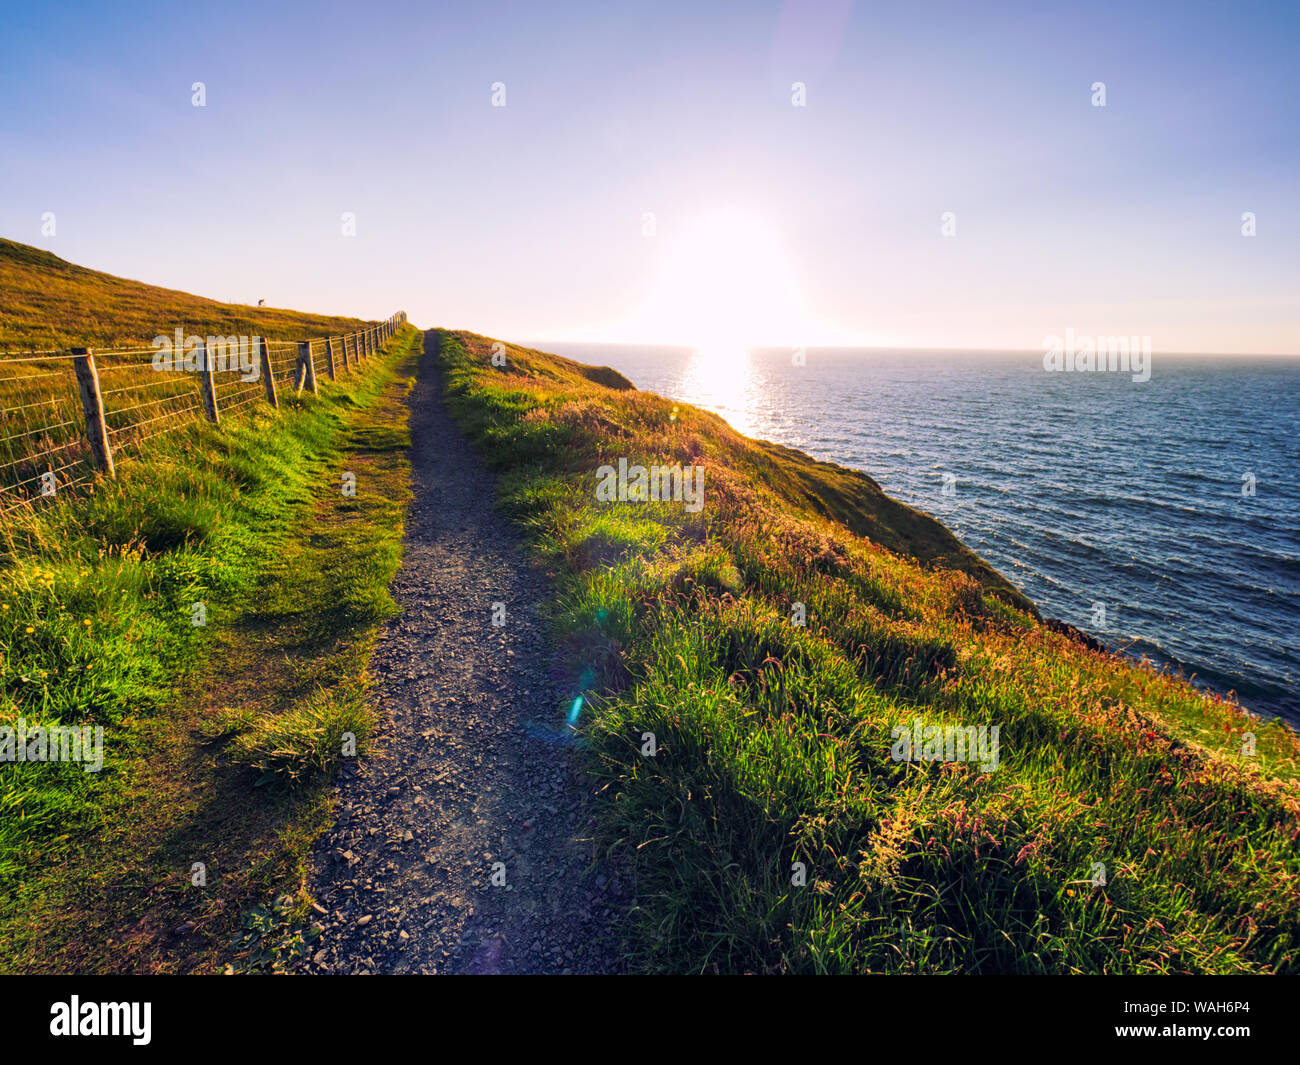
<point x="774" y="739"/>
<point x="217" y="737"/>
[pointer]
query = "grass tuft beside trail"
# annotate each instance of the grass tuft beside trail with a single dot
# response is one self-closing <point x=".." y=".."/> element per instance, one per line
<point x="773" y="740"/>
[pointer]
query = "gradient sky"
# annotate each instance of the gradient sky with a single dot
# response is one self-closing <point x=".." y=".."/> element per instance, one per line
<point x="526" y="221"/>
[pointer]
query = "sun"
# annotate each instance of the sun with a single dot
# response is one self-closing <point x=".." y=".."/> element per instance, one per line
<point x="725" y="285"/>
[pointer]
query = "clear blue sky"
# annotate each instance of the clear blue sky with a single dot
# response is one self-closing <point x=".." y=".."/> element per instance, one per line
<point x="527" y="221"/>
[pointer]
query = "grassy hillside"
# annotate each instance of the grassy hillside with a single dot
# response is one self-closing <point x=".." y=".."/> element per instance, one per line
<point x="752" y="773"/>
<point x="49" y="304"/>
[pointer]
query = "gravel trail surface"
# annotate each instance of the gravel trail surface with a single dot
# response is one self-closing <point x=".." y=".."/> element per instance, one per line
<point x="474" y="775"/>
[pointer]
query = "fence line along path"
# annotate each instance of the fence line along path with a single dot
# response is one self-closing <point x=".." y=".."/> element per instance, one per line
<point x="65" y="414"/>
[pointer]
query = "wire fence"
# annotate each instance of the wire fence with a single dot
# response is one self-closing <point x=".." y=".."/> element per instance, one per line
<point x="64" y="415"/>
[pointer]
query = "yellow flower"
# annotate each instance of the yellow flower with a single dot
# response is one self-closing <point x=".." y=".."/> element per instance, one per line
<point x="86" y="622"/>
<point x="30" y="629"/>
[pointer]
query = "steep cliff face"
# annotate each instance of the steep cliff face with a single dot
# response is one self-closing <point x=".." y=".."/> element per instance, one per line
<point x="856" y="501"/>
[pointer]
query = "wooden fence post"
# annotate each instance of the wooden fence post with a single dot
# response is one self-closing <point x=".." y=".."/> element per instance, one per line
<point x="329" y="356"/>
<point x="208" y="385"/>
<point x="306" y="368"/>
<point x="92" y="403"/>
<point x="268" y="377"/>
<point x="343" y="343"/>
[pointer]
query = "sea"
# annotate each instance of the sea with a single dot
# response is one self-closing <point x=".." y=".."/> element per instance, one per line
<point x="1161" y="516"/>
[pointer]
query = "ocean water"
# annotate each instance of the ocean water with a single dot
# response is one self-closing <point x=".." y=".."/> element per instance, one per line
<point x="1162" y="517"/>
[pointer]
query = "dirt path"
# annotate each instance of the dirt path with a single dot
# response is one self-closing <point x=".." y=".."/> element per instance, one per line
<point x="471" y="772"/>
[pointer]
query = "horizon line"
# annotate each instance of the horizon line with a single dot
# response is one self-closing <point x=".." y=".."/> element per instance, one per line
<point x="899" y="347"/>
